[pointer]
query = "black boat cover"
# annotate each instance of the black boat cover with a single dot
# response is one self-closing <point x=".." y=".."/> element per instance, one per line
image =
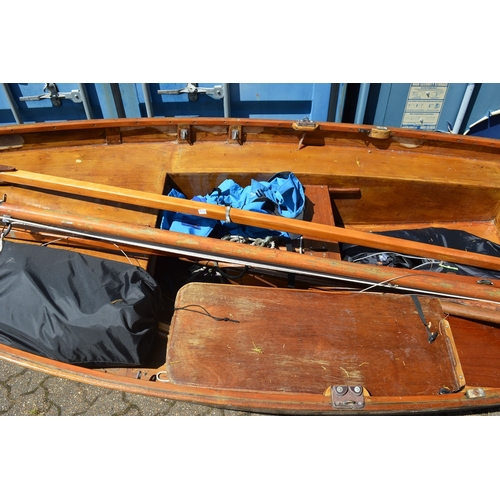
<point x="450" y="238"/>
<point x="76" y="308"/>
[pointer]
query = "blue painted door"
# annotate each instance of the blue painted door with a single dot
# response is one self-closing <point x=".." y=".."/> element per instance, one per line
<point x="40" y="102"/>
<point x="32" y="102"/>
<point x="242" y="100"/>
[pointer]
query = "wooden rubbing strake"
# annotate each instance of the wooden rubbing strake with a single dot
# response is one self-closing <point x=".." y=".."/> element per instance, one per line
<point x="305" y="341"/>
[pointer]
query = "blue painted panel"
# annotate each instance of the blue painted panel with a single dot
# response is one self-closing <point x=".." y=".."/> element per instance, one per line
<point x="485" y="100"/>
<point x="451" y="107"/>
<point x="106" y="100"/>
<point x="275" y="91"/>
<point x="320" y="101"/>
<point x="388" y="102"/>
<point x="291" y="101"/>
<point x="43" y="110"/>
<point x="130" y="99"/>
<point x="180" y="105"/>
<point x="489" y="126"/>
<point x="6" y="115"/>
<point x="274" y="101"/>
<point x="339" y="105"/>
<point x="253" y="100"/>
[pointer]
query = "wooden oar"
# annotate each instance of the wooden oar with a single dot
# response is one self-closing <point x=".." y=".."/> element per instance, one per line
<point x="308" y="229"/>
<point x="254" y="256"/>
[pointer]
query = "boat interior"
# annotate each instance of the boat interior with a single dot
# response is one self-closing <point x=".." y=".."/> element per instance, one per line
<point x="353" y="177"/>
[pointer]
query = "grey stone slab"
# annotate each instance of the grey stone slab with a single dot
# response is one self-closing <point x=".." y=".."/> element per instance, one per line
<point x="33" y="403"/>
<point x="8" y="369"/>
<point x="26" y="382"/>
<point x="147" y="406"/>
<point x="5" y="401"/>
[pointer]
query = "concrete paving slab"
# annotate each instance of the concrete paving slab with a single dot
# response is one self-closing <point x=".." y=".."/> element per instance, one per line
<point x="25" y="392"/>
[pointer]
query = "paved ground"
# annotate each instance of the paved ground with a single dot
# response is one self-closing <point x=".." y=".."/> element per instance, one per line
<point x="26" y="392"/>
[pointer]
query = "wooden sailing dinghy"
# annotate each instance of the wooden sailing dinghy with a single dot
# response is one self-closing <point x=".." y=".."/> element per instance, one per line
<point x="362" y="338"/>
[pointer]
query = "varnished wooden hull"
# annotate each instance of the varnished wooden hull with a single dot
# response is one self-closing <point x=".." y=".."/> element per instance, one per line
<point x="374" y="180"/>
<point x="268" y="402"/>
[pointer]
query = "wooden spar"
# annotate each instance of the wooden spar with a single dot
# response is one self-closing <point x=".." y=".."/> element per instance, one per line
<point x="472" y="310"/>
<point x="225" y="251"/>
<point x="320" y="232"/>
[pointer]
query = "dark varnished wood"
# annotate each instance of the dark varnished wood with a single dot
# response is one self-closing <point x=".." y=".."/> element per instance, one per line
<point x="302" y="341"/>
<point x="478" y="346"/>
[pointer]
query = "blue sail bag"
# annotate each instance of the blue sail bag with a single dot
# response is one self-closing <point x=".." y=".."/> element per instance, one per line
<point x="281" y="195"/>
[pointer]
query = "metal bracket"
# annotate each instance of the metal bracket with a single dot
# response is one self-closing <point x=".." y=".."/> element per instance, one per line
<point x="192" y="90"/>
<point x="475" y="392"/>
<point x="348" y="397"/>
<point x="376" y="132"/>
<point x="235" y="134"/>
<point x="184" y="134"/>
<point x="54" y="95"/>
<point x="7" y="168"/>
<point x="5" y="231"/>
<point x="305" y="125"/>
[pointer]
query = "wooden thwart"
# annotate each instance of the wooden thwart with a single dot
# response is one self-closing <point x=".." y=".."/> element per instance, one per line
<point x="377" y="341"/>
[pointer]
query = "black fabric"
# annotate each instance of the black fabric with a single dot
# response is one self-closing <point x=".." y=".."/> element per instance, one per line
<point x="450" y="238"/>
<point x="76" y="308"/>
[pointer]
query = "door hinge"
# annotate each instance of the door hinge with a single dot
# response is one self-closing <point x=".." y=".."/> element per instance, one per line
<point x="52" y="93"/>
<point x="192" y="90"/>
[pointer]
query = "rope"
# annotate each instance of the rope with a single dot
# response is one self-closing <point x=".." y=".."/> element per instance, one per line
<point x="235" y="260"/>
<point x="205" y="312"/>
<point x="5" y="231"/>
<point x="229" y="276"/>
<point x="268" y="241"/>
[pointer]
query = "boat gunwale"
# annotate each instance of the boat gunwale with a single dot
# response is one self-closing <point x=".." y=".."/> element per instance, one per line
<point x="268" y="123"/>
<point x="253" y="400"/>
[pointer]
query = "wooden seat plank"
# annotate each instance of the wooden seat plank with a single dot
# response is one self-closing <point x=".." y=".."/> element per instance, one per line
<point x="304" y="341"/>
